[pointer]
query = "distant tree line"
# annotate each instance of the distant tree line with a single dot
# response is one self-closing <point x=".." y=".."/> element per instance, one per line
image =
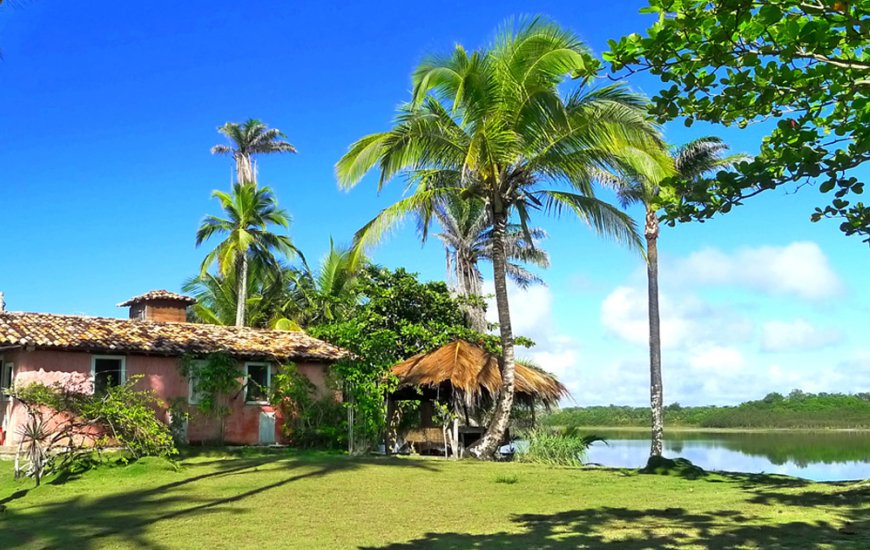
<point x="796" y="410"/>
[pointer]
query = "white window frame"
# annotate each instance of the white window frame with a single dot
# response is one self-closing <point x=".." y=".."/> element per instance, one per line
<point x="94" y="358"/>
<point x="248" y="378"/>
<point x="7" y="370"/>
<point x="190" y="392"/>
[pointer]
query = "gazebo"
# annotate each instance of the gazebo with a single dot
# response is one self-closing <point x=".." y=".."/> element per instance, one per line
<point x="467" y="379"/>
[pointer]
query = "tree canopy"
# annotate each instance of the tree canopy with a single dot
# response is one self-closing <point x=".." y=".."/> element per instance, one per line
<point x="801" y="64"/>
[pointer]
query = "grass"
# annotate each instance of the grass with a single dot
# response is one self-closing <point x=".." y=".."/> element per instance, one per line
<point x="283" y="500"/>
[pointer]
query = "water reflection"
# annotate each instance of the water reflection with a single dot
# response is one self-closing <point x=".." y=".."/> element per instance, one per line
<point x="820" y="456"/>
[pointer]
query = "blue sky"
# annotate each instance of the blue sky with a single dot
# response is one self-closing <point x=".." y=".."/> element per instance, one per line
<point x="108" y="111"/>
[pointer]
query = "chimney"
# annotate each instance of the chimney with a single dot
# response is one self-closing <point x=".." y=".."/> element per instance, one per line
<point x="159" y="305"/>
<point x="2" y="302"/>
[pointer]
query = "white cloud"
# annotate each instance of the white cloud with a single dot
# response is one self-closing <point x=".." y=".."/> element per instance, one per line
<point x="710" y="347"/>
<point x="798" y="269"/>
<point x="800" y="334"/>
<point x="531" y="309"/>
<point x="711" y="344"/>
<point x="532" y="316"/>
<point x="684" y="321"/>
<point x="719" y="359"/>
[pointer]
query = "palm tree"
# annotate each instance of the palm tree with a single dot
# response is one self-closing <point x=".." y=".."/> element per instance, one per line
<point x="327" y="294"/>
<point x="249" y="213"/>
<point x="217" y="296"/>
<point x="493" y="126"/>
<point x="250" y="138"/>
<point x="467" y="239"/>
<point x="640" y="179"/>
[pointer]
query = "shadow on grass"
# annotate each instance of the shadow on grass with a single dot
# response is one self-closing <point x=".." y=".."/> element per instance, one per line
<point x="628" y="529"/>
<point x="81" y="522"/>
<point x="14" y="496"/>
<point x="755" y="481"/>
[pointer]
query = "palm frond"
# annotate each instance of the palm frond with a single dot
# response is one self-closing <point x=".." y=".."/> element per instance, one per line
<point x="422" y="203"/>
<point x="607" y="220"/>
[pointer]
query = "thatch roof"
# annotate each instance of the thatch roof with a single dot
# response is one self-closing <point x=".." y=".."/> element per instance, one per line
<point x="473" y="371"/>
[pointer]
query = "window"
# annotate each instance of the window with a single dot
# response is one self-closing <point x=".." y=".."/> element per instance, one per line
<point x="6" y="373"/>
<point x="258" y="378"/>
<point x="107" y="371"/>
<point x="194" y="396"/>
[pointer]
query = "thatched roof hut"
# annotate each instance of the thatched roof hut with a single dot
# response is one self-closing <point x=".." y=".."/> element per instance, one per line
<point x="473" y="372"/>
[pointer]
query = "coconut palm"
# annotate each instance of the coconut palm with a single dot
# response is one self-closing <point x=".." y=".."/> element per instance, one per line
<point x="250" y="211"/>
<point x="217" y="296"/>
<point x="250" y="138"/>
<point x="327" y="294"/>
<point x="493" y="125"/>
<point x="641" y="179"/>
<point x="467" y="238"/>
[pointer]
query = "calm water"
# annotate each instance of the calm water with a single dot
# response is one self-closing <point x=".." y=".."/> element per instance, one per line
<point x="820" y="456"/>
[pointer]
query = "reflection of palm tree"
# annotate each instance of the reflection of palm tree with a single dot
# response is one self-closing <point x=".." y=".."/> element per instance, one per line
<point x="250" y="138"/>
<point x="467" y="237"/>
<point x="493" y="126"/>
<point x="250" y="211"/>
<point x="642" y="177"/>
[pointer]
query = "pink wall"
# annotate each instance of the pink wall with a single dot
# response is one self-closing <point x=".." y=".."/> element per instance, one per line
<point x="163" y="376"/>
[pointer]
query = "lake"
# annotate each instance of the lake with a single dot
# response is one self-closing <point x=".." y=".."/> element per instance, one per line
<point x="819" y="456"/>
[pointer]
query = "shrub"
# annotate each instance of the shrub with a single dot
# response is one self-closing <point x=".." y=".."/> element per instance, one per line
<point x="310" y="420"/>
<point x="67" y="421"/>
<point x="128" y="415"/>
<point x="554" y="447"/>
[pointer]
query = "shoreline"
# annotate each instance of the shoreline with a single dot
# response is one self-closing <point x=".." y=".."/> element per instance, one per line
<point x="698" y="429"/>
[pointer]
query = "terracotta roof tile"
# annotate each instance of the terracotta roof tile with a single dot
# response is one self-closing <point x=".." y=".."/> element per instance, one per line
<point x="158" y="295"/>
<point x="101" y="334"/>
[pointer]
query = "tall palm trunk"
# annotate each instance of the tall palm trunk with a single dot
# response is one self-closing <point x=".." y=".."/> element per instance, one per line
<point x="486" y="446"/>
<point x="244" y="168"/>
<point x="651" y="231"/>
<point x="242" y="294"/>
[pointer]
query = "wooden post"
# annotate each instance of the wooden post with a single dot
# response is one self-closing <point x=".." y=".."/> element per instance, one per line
<point x="350" y="423"/>
<point x="456" y="450"/>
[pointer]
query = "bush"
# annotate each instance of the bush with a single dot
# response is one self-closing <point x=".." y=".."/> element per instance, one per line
<point x="68" y="422"/>
<point x="310" y="421"/>
<point x="555" y="447"/>
<point x="128" y="418"/>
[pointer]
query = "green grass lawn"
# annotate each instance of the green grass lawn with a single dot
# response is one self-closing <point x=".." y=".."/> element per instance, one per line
<point x="284" y="500"/>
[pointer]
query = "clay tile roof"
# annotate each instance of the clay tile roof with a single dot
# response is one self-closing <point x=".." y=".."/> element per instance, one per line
<point x="101" y="335"/>
<point x="158" y="295"/>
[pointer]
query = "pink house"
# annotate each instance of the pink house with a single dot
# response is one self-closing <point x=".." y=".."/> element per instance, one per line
<point x="151" y="343"/>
